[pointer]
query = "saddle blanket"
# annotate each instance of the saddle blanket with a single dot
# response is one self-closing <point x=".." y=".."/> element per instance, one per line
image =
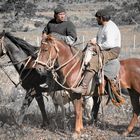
<point x="111" y="68"/>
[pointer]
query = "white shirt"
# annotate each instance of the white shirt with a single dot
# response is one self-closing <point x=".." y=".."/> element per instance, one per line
<point x="109" y="36"/>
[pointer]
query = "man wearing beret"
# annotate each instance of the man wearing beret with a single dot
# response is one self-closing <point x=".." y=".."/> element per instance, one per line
<point x="109" y="41"/>
<point x="60" y="27"/>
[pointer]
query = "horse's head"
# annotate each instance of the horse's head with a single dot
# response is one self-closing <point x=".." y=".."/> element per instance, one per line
<point x="57" y="57"/>
<point x="47" y="55"/>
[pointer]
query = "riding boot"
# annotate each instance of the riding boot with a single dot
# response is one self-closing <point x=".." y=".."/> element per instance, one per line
<point x="84" y="85"/>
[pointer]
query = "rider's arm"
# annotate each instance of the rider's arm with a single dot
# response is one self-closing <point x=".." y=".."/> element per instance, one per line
<point x="71" y="33"/>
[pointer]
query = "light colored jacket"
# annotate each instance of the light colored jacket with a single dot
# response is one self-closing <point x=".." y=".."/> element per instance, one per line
<point x="109" y="36"/>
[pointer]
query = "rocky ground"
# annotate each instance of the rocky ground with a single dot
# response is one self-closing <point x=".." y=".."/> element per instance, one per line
<point x="112" y="121"/>
<point x="27" y="22"/>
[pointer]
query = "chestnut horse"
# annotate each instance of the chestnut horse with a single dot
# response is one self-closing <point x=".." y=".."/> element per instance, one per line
<point x="19" y="52"/>
<point x="56" y="56"/>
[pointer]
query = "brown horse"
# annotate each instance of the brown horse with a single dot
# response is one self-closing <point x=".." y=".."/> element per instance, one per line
<point x="68" y="62"/>
<point x="129" y="79"/>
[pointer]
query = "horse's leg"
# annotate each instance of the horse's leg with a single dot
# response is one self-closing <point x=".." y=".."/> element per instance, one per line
<point x="26" y="103"/>
<point x="63" y="115"/>
<point x="78" y="114"/>
<point x="56" y="111"/>
<point x="136" y="111"/>
<point x="81" y="114"/>
<point x="95" y="108"/>
<point x="40" y="101"/>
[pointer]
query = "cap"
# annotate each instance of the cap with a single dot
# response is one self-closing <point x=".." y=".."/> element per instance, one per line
<point x="102" y="12"/>
<point x="59" y="9"/>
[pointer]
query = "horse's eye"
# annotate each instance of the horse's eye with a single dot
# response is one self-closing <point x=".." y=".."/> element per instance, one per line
<point x="45" y="49"/>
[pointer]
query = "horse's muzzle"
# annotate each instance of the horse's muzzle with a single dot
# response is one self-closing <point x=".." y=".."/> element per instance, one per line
<point x="41" y="70"/>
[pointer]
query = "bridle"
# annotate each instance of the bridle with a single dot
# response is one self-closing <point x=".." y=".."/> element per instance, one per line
<point x="50" y="63"/>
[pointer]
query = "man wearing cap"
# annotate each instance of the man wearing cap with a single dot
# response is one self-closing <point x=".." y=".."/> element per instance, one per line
<point x="60" y="27"/>
<point x="109" y="40"/>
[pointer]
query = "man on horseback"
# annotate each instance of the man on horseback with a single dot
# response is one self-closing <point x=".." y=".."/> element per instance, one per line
<point x="60" y="27"/>
<point x="108" y="42"/>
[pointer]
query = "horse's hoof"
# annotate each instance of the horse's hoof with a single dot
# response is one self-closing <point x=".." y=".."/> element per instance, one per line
<point x="18" y="122"/>
<point x="44" y="125"/>
<point x="125" y="133"/>
<point x="93" y="123"/>
<point x="75" y="136"/>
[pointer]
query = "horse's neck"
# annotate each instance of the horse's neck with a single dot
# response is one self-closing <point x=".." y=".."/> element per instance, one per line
<point x="15" y="54"/>
<point x="72" y="61"/>
<point x="67" y="57"/>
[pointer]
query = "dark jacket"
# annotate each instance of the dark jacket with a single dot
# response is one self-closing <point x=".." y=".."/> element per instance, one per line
<point x="65" y="28"/>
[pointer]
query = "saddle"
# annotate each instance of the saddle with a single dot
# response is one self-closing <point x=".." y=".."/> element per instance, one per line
<point x="107" y="85"/>
<point x="107" y="79"/>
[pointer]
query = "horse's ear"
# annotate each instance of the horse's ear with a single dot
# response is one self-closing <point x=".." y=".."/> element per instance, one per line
<point x="3" y="33"/>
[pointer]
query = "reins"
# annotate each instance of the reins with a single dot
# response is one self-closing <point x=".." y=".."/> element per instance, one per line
<point x="2" y="67"/>
<point x="8" y="76"/>
<point x="15" y="63"/>
<point x="80" y="43"/>
<point x="63" y="65"/>
<point x="54" y="70"/>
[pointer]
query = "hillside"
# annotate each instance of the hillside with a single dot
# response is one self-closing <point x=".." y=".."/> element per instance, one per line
<point x="18" y="15"/>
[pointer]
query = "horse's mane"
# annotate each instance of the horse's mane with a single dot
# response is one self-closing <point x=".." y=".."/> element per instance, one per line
<point x="26" y="47"/>
<point x="50" y="38"/>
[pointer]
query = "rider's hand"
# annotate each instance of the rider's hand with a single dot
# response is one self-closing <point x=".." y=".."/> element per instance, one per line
<point x="93" y="41"/>
<point x="93" y="44"/>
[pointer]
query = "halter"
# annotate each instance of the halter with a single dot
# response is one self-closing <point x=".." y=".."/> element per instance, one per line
<point x="49" y="61"/>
